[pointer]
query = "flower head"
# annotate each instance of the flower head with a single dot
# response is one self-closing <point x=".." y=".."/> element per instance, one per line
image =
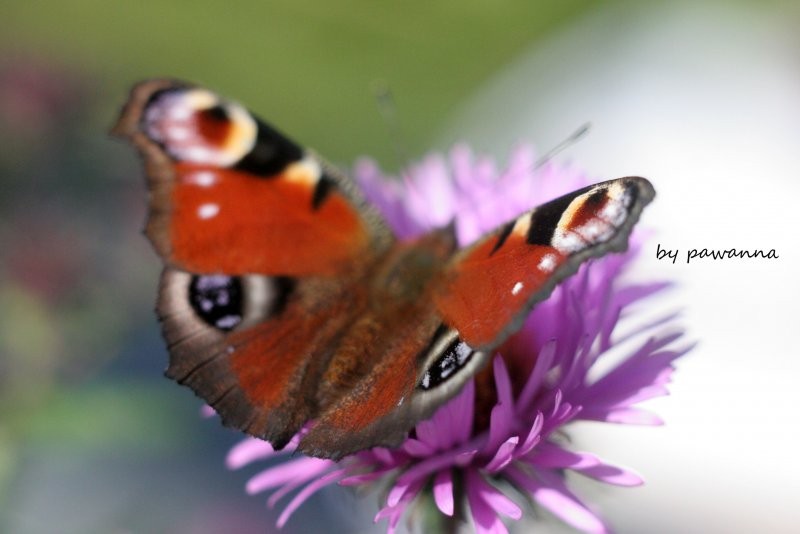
<point x="504" y="429"/>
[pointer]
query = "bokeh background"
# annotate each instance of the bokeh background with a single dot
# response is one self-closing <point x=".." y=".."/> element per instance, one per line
<point x="701" y="97"/>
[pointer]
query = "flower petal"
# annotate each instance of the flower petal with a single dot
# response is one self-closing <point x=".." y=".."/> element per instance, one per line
<point x="484" y="517"/>
<point x="298" y="469"/>
<point x="443" y="491"/>
<point x="550" y="491"/>
<point x="502" y="418"/>
<point x="611" y="474"/>
<point x="364" y="478"/>
<point x="394" y="512"/>
<point x="430" y="199"/>
<point x="496" y="499"/>
<point x="247" y="451"/>
<point x="417" y="448"/>
<point x="430" y="465"/>
<point x="504" y="455"/>
<point x="307" y="492"/>
<point x="550" y="455"/>
<point x="462" y="415"/>
<point x="383" y="455"/>
<point x="283" y="491"/>
<point x="534" y="435"/>
<point x="543" y="362"/>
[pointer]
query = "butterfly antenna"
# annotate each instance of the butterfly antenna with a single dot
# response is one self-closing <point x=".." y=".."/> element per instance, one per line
<point x="570" y="140"/>
<point x="388" y="110"/>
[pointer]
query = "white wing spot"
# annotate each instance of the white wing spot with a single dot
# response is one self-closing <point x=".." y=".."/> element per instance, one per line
<point x="517" y="288"/>
<point x="596" y="231"/>
<point x="614" y="212"/>
<point x="206" y="211"/>
<point x="202" y="178"/>
<point x="547" y="263"/>
<point x="567" y="241"/>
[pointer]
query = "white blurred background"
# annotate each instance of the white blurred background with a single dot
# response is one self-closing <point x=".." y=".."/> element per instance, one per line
<point x="704" y="100"/>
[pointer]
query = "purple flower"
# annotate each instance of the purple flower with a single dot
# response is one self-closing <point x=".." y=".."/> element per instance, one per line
<point x="504" y="430"/>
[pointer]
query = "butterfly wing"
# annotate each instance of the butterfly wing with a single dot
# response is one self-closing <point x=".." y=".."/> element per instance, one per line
<point x="487" y="289"/>
<point x="230" y="194"/>
<point x="254" y="347"/>
<point x="263" y="245"/>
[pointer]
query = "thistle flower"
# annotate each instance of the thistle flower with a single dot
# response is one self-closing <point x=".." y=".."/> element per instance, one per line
<point x="500" y="432"/>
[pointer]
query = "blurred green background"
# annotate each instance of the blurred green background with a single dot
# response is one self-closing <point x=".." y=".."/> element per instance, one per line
<point x="94" y="439"/>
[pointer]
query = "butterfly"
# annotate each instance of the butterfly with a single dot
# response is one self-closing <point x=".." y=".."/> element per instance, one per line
<point x="287" y="303"/>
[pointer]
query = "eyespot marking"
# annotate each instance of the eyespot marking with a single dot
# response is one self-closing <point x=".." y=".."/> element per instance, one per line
<point x="227" y="302"/>
<point x="217" y="300"/>
<point x="454" y="354"/>
<point x="196" y="126"/>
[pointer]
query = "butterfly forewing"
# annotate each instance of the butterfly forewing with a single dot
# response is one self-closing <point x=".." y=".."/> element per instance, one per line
<point x="230" y="194"/>
<point x="487" y="289"/>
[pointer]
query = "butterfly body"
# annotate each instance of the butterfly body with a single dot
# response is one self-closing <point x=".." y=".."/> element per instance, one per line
<point x="286" y="300"/>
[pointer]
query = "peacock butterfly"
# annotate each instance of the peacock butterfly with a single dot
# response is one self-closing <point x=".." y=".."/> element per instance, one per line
<point x="286" y="299"/>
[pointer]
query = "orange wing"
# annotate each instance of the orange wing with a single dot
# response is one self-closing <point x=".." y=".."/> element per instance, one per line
<point x="254" y="346"/>
<point x="487" y="289"/>
<point x="229" y="194"/>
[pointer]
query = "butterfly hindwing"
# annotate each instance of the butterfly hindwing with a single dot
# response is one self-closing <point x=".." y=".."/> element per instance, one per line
<point x="416" y="372"/>
<point x="254" y="347"/>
